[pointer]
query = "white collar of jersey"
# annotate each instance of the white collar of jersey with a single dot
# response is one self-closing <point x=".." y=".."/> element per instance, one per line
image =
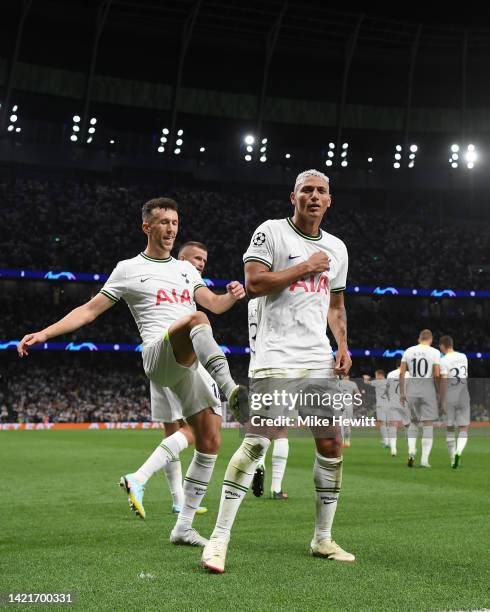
<point x="302" y="234"/>
<point x="166" y="260"/>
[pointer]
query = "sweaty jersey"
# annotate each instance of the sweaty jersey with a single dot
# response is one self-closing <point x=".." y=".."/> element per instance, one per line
<point x="381" y="389"/>
<point x="252" y="331"/>
<point x="393" y="379"/>
<point x="292" y="325"/>
<point x="454" y="366"/>
<point x="157" y="291"/>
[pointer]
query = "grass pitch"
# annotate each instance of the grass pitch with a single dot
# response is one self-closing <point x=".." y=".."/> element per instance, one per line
<point x="420" y="536"/>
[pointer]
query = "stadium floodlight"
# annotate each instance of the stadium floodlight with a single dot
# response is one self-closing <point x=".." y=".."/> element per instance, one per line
<point x="76" y="118"/>
<point x="91" y="130"/>
<point x="89" y="139"/>
<point x="344" y="163"/>
<point x="73" y="137"/>
<point x="264" y="140"/>
<point x="414" y="148"/>
<point x="263" y="149"/>
<point x="161" y="149"/>
<point x="454" y="148"/>
<point x="331" y="145"/>
<point x="471" y="147"/>
<point x="330" y="153"/>
<point x="454" y="164"/>
<point x="411" y="156"/>
<point x="76" y="128"/>
<point x="163" y="139"/>
<point x="249" y="139"/>
<point x="14" y="108"/>
<point x="345" y="145"/>
<point x="454" y="156"/>
<point x="177" y="151"/>
<point x="179" y="142"/>
<point x="165" y="131"/>
<point x="288" y="156"/>
<point x="396" y="165"/>
<point x="248" y="158"/>
<point x="411" y="164"/>
<point x="17" y="129"/>
<point x="263" y="158"/>
<point x="343" y="154"/>
<point x="329" y="162"/>
<point x="250" y="148"/>
<point x="111" y="141"/>
<point x="93" y="121"/>
<point x="398" y="156"/>
<point x="180" y="133"/>
<point x="202" y="149"/>
<point x="470" y="165"/>
<point x="471" y="156"/>
<point x="398" y="148"/>
<point x="13" y="118"/>
<point x="370" y="160"/>
<point x="10" y="128"/>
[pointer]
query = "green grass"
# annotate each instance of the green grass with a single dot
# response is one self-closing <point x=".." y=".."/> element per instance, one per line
<point x="420" y="536"/>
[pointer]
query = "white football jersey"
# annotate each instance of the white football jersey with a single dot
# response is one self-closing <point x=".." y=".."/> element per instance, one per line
<point x="252" y="331"/>
<point x="454" y="366"/>
<point x="157" y="291"/>
<point x="292" y="325"/>
<point x="381" y="390"/>
<point x="348" y="387"/>
<point x="420" y="360"/>
<point x="394" y="387"/>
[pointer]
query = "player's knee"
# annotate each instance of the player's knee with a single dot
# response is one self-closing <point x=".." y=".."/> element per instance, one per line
<point x="330" y="447"/>
<point x="209" y="444"/>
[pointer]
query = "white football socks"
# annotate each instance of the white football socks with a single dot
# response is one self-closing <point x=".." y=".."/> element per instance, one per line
<point x="392" y="432"/>
<point x="173" y="472"/>
<point x="167" y="451"/>
<point x="427" y="439"/>
<point x="212" y="357"/>
<point x="451" y="444"/>
<point x="462" y="439"/>
<point x="383" y="430"/>
<point x="327" y="474"/>
<point x="195" y="486"/>
<point x="412" y="432"/>
<point x="279" y="459"/>
<point x="238" y="476"/>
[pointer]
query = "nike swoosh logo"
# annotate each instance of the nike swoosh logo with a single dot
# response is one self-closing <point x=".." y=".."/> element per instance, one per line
<point x="231" y="497"/>
<point x="144" y="279"/>
<point x="295" y="257"/>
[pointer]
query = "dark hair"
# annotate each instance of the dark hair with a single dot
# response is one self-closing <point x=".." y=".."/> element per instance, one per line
<point x="193" y="243"/>
<point x="165" y="203"/>
<point x="446" y="341"/>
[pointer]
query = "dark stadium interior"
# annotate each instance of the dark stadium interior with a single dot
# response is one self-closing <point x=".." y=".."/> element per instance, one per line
<point x="74" y="205"/>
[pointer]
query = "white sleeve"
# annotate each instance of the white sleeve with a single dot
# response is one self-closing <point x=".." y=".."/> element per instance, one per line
<point x="116" y="285"/>
<point x="261" y="248"/>
<point x="340" y="280"/>
<point x="437" y="357"/>
<point x="405" y="357"/>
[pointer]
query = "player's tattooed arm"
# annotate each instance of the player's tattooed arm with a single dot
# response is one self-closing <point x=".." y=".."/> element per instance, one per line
<point x="76" y="318"/>
<point x="219" y="303"/>
<point x="337" y="321"/>
<point x="259" y="280"/>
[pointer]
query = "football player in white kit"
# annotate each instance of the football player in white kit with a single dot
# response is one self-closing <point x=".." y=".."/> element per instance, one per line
<point x="166" y="405"/>
<point x="382" y="404"/>
<point x="454" y="371"/>
<point x="397" y="415"/>
<point x="178" y="348"/>
<point x="280" y="449"/>
<point x="349" y="389"/>
<point x="420" y="392"/>
<point x="298" y="272"/>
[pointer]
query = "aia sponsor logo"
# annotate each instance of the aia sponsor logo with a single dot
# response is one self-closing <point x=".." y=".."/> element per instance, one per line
<point x="173" y="297"/>
<point x="311" y="284"/>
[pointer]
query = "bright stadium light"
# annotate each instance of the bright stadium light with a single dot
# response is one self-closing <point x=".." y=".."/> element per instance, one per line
<point x="13" y="118"/>
<point x="398" y="156"/>
<point x="454" y="165"/>
<point x="454" y="156"/>
<point x="330" y="153"/>
<point x="344" y="163"/>
<point x="91" y="130"/>
<point x="248" y="158"/>
<point x="89" y="139"/>
<point x="73" y="137"/>
<point x="165" y="131"/>
<point x="345" y="145"/>
<point x="471" y="147"/>
<point x="76" y="128"/>
<point x="288" y="156"/>
<point x="249" y="139"/>
<point x="177" y="151"/>
<point x="414" y="148"/>
<point x="331" y="145"/>
<point x="396" y="165"/>
<point x="179" y="142"/>
<point x="161" y="149"/>
<point x="329" y="162"/>
<point x="343" y="154"/>
<point x="263" y="149"/>
<point x="370" y="160"/>
<point x="250" y="149"/>
<point x="17" y="129"/>
<point x="202" y="149"/>
<point x="411" y="164"/>
<point x="471" y="156"/>
<point x="470" y="165"/>
<point x="411" y="156"/>
<point x="398" y="147"/>
<point x="93" y="121"/>
<point x="163" y="139"/>
<point x="76" y="118"/>
<point x="264" y="140"/>
<point x="454" y="148"/>
<point x="14" y="108"/>
<point x="180" y="133"/>
<point x="10" y="128"/>
<point x="263" y="158"/>
<point x="111" y="141"/>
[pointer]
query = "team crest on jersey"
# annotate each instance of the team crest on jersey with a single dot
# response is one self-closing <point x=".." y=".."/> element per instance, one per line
<point x="258" y="239"/>
<point x="311" y="285"/>
<point x="172" y="297"/>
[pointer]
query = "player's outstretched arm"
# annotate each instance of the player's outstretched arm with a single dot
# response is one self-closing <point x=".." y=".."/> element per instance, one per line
<point x="259" y="280"/>
<point x="337" y="321"/>
<point x="220" y="303"/>
<point x="401" y="379"/>
<point x="78" y="317"/>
